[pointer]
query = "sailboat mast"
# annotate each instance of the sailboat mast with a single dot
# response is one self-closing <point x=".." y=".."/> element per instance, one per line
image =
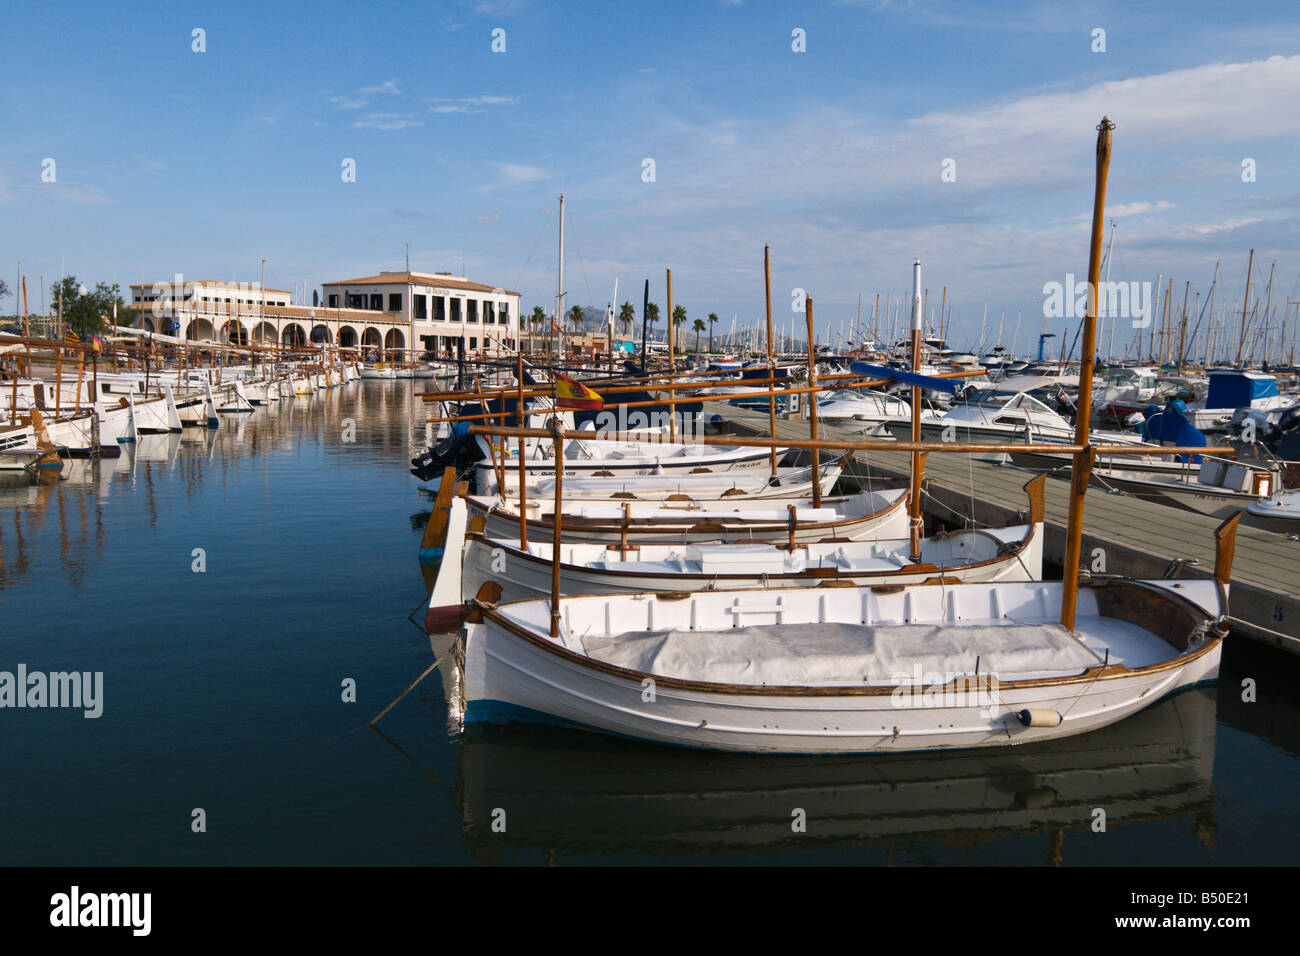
<point x="1209" y="332"/>
<point x="559" y="292"/>
<point x="1245" y="307"/>
<point x="1110" y="351"/>
<point x="1081" y="473"/>
<point x="918" y="459"/>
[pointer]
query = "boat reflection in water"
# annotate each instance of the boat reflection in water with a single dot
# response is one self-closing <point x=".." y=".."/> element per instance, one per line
<point x="566" y="790"/>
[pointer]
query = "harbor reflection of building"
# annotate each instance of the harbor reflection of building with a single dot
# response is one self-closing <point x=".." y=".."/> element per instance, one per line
<point x="388" y="419"/>
<point x="566" y="791"/>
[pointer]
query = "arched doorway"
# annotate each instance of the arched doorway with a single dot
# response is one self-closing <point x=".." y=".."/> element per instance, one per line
<point x="394" y="342"/>
<point x="294" y="335"/>
<point x="237" y="334"/>
<point x="320" y="333"/>
<point x="200" y="330"/>
<point x="371" y="342"/>
<point x="265" y="332"/>
<point x="347" y="337"/>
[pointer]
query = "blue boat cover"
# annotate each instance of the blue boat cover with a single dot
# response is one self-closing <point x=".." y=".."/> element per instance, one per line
<point x="1171" y="428"/>
<point x="1230" y="388"/>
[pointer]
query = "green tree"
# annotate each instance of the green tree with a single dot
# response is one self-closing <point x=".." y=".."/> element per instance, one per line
<point x="538" y="319"/>
<point x="626" y="316"/>
<point x="652" y="314"/>
<point x="89" y="314"/>
<point x="679" y="317"/>
<point x="713" y="320"/>
<point x="4" y="288"/>
<point x="698" y="326"/>
<point x="576" y="318"/>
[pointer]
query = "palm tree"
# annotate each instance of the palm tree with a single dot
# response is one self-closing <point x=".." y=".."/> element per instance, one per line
<point x="576" y="318"/>
<point x="713" y="320"/>
<point x="679" y="316"/>
<point x="537" y="319"/>
<point x="652" y="314"/>
<point x="698" y="326"/>
<point x="626" y="316"/>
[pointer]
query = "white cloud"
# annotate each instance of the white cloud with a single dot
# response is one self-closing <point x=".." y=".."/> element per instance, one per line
<point x="470" y="104"/>
<point x="515" y="173"/>
<point x="486" y="220"/>
<point x="388" y="86"/>
<point x="500" y="8"/>
<point x="1135" y="209"/>
<point x="385" y="121"/>
<point x="348" y="102"/>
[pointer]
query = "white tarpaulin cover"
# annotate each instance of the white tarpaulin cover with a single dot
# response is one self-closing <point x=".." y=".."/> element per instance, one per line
<point x="833" y="653"/>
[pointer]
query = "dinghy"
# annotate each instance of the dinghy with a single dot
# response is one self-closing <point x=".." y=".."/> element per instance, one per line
<point x="846" y="670"/>
<point x="788" y="482"/>
<point x="603" y="459"/>
<point x="872" y="514"/>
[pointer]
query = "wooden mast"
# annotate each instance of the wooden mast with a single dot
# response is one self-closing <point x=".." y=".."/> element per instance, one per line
<point x="1182" y="327"/>
<point x="523" y="468"/>
<point x="672" y="361"/>
<point x="771" y="363"/>
<point x="556" y="521"/>
<point x="918" y="459"/>
<point x="812" y="404"/>
<point x="1083" y="459"/>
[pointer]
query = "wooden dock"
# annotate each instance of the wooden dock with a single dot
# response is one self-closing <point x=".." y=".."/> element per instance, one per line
<point x="1131" y="536"/>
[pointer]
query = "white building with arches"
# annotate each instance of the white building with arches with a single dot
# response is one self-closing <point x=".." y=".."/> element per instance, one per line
<point x="392" y="314"/>
<point x="439" y="308"/>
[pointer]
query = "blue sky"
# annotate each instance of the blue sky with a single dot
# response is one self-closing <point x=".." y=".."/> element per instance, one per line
<point x="171" y="161"/>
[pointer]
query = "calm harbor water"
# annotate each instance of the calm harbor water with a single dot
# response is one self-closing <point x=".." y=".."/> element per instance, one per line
<point x="223" y="691"/>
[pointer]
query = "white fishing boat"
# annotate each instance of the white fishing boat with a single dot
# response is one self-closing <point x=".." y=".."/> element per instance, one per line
<point x="788" y="482"/>
<point x="523" y="571"/>
<point x="499" y="469"/>
<point x="845" y="669"/>
<point x="868" y="515"/>
<point x="26" y="446"/>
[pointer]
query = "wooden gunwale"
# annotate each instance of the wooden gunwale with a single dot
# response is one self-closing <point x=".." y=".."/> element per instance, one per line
<point x="1098" y="672"/>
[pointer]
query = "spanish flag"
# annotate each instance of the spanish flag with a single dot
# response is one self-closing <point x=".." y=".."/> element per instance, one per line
<point x="98" y="343"/>
<point x="571" y="394"/>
